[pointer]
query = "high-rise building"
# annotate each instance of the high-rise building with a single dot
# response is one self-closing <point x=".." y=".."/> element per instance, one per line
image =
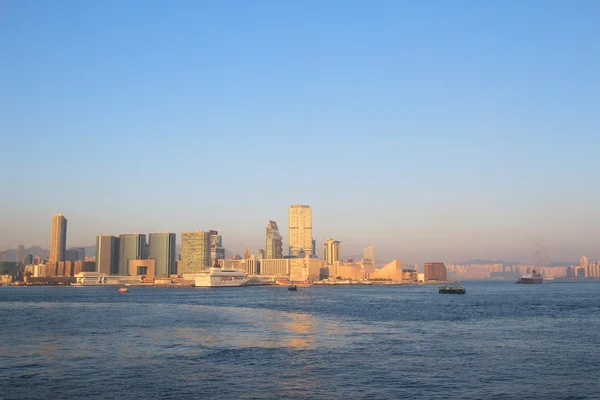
<point x="21" y="254"/>
<point x="434" y="271"/>
<point x="107" y="254"/>
<point x="300" y="229"/>
<point x="28" y="260"/>
<point x="161" y="249"/>
<point x="274" y="247"/>
<point x="217" y="252"/>
<point x="369" y="255"/>
<point x="331" y="251"/>
<point x="261" y="254"/>
<point x="247" y="254"/>
<point x="58" y="244"/>
<point x="195" y="252"/>
<point x="132" y="246"/>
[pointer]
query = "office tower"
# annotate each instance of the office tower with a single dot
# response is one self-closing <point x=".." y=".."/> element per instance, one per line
<point x="274" y="247"/>
<point x="331" y="251"/>
<point x="217" y="252"/>
<point x="28" y="259"/>
<point x="195" y="252"/>
<point x="37" y="260"/>
<point x="314" y="248"/>
<point x="161" y="249"/>
<point x="59" y="238"/>
<point x="107" y="254"/>
<point x="300" y="229"/>
<point x="132" y="246"/>
<point x="369" y="255"/>
<point x="20" y="254"/>
<point x="247" y="254"/>
<point x="435" y="271"/>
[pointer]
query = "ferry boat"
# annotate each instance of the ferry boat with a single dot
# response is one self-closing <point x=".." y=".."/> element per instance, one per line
<point x="531" y="277"/>
<point x="292" y="288"/>
<point x="218" y="277"/>
<point x="453" y="289"/>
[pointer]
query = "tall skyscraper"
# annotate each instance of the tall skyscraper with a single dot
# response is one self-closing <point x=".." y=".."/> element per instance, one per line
<point x="161" y="248"/>
<point x="132" y="246"/>
<point x="247" y="254"/>
<point x="195" y="252"/>
<point x="274" y="247"/>
<point x="107" y="254"/>
<point x="58" y="245"/>
<point x="369" y="255"/>
<point x="217" y="252"/>
<point x="331" y="251"/>
<point x="300" y="229"/>
<point x="21" y="254"/>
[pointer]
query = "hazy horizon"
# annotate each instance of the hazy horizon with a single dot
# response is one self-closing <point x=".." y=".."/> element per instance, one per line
<point x="431" y="131"/>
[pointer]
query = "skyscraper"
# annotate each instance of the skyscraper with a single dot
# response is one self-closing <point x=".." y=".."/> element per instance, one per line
<point x="434" y="271"/>
<point x="59" y="238"/>
<point x="132" y="246"/>
<point x="21" y="254"/>
<point x="331" y="251"/>
<point x="161" y="248"/>
<point x="300" y="229"/>
<point x="369" y="255"/>
<point x="217" y="252"/>
<point x="274" y="247"/>
<point x="107" y="254"/>
<point x="195" y="252"/>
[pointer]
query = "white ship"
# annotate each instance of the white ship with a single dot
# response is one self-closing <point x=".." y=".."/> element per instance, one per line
<point x="218" y="277"/>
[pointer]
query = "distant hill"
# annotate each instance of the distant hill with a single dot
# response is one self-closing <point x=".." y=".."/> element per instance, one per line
<point x="11" y="254"/>
<point x="480" y="261"/>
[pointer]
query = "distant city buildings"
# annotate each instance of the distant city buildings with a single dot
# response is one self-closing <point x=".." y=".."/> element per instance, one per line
<point x="435" y="271"/>
<point x="58" y="244"/>
<point x="75" y="254"/>
<point x="217" y="252"/>
<point x="369" y="255"/>
<point x="331" y="251"/>
<point x="132" y="246"/>
<point x="107" y="254"/>
<point x="161" y="249"/>
<point x="195" y="252"/>
<point x="21" y="255"/>
<point x="300" y="231"/>
<point x="274" y="243"/>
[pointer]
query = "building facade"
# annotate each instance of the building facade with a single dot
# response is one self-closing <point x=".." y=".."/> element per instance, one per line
<point x="132" y="246"/>
<point x="369" y="255"/>
<point x="274" y="245"/>
<point x="161" y="249"/>
<point x="58" y="244"/>
<point x="217" y="252"/>
<point x="275" y="266"/>
<point x="195" y="252"/>
<point x="434" y="271"/>
<point x="300" y="230"/>
<point x="107" y="254"/>
<point x="331" y="251"/>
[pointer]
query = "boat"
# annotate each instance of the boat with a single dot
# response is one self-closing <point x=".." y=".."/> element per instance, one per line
<point x="123" y="290"/>
<point x="530" y="277"/>
<point x="218" y="277"/>
<point x="292" y="288"/>
<point x="452" y="289"/>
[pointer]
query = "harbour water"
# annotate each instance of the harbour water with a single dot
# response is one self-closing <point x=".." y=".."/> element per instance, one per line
<point x="500" y="340"/>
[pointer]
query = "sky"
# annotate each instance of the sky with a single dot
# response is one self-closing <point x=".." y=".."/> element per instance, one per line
<point x="434" y="130"/>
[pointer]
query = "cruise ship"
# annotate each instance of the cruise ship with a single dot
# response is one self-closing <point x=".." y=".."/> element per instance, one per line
<point x="218" y="277"/>
<point x="531" y="277"/>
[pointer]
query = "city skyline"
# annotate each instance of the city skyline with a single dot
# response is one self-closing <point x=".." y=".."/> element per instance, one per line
<point x="471" y="138"/>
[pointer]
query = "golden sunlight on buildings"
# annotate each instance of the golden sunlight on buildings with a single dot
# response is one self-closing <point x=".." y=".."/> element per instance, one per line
<point x="391" y="271"/>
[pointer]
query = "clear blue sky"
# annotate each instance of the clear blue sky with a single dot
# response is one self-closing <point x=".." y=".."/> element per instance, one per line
<point x="430" y="129"/>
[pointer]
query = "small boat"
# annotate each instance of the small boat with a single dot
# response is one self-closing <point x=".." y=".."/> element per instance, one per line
<point x="123" y="290"/>
<point x="453" y="289"/>
<point x="292" y="287"/>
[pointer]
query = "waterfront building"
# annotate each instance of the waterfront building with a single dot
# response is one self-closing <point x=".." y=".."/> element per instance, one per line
<point x="300" y="230"/>
<point x="331" y="251"/>
<point x="58" y="243"/>
<point x="275" y="266"/>
<point x="142" y="268"/>
<point x="392" y="271"/>
<point x="195" y="252"/>
<point x="161" y="249"/>
<point x="274" y="245"/>
<point x="305" y="269"/>
<point x="132" y="246"/>
<point x="217" y="252"/>
<point x="435" y="271"/>
<point x="107" y="254"/>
